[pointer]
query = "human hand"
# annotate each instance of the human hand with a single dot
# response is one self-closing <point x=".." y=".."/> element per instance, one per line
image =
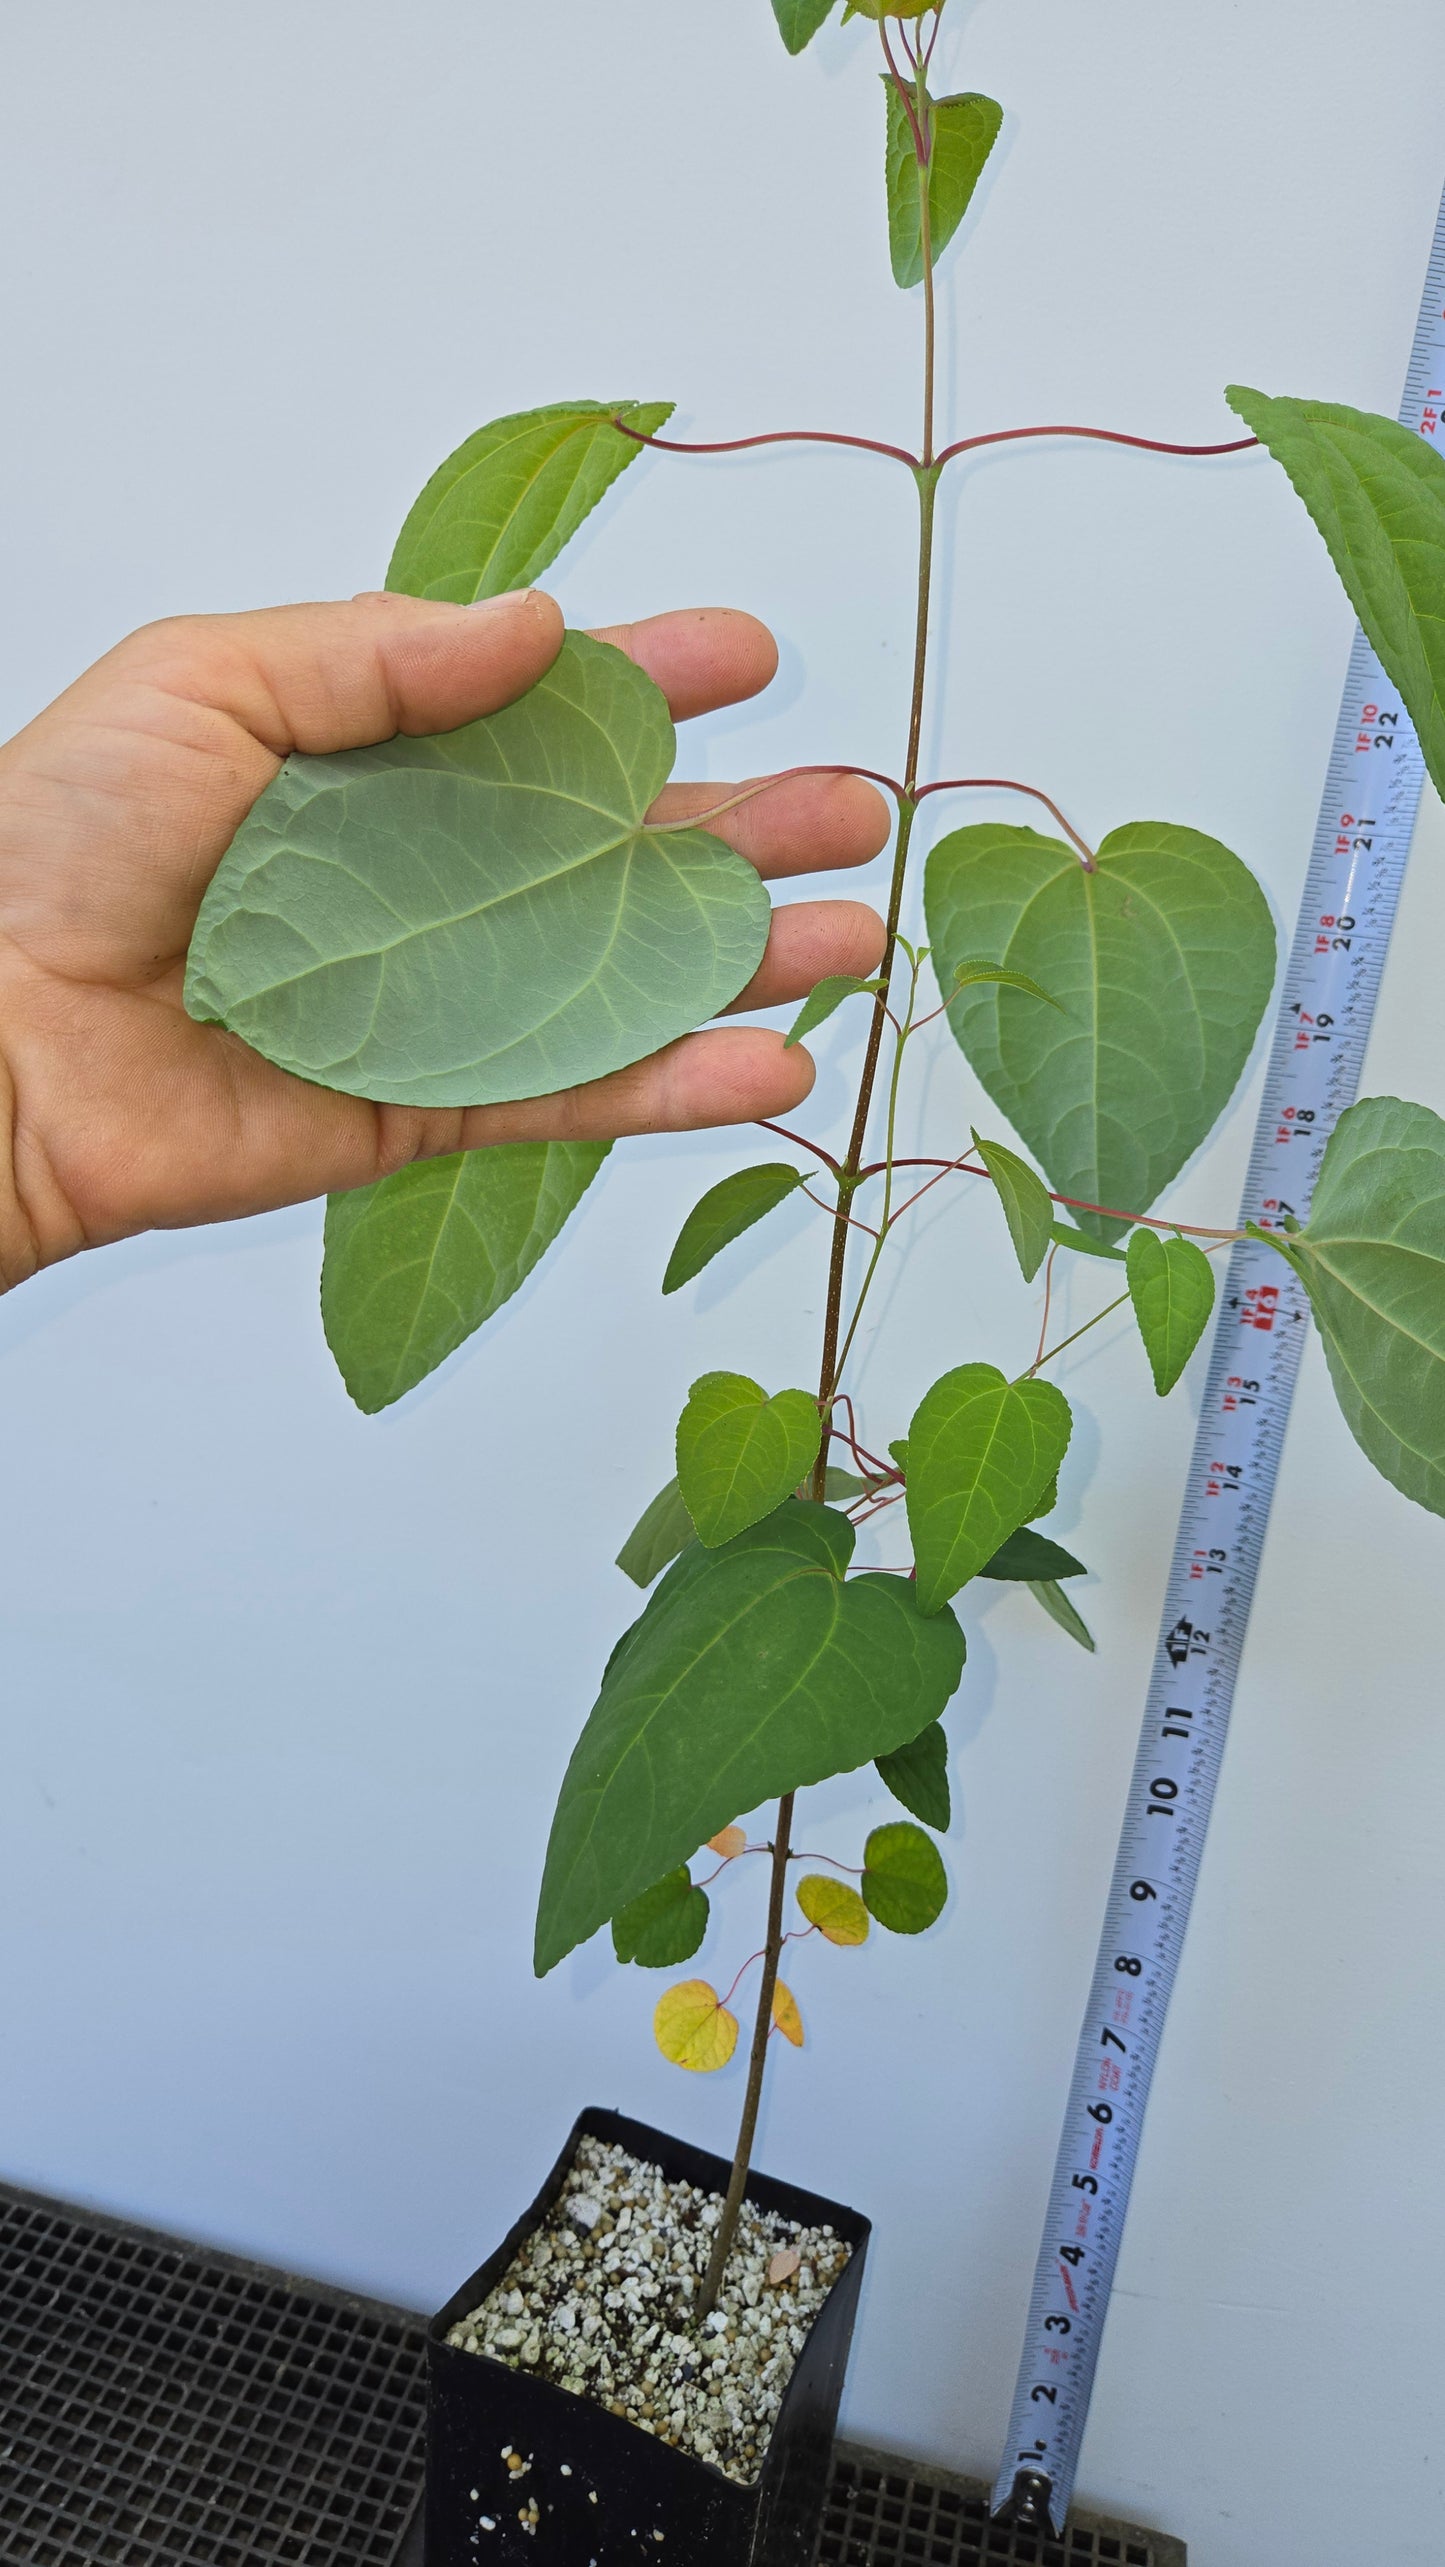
<point x="116" y="806"/>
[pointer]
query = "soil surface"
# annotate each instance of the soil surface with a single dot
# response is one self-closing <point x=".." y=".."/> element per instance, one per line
<point x="598" y="2300"/>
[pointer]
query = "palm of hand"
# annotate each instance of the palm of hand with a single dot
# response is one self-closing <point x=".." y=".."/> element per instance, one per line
<point x="117" y="804"/>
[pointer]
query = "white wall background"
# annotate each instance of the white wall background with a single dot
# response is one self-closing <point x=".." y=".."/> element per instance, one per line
<point x="287" y="1693"/>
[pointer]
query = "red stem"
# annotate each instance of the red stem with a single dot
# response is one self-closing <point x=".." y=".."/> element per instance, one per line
<point x="774" y="437"/>
<point x="1101" y="436"/>
<point x="800" y="1141"/>
<point x="1006" y="784"/>
<point x="901" y="454"/>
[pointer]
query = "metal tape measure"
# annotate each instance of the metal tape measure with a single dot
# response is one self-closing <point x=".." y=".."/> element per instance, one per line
<point x="1350" y="897"/>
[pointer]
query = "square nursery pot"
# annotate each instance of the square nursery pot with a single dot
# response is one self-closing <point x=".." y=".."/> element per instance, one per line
<point x="654" y="2503"/>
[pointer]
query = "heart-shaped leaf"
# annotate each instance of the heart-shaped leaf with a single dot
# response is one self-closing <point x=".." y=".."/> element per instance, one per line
<point x="822" y="1001"/>
<point x="904" y="1883"/>
<point x="1026" y="1205"/>
<point x="1162" y="959"/>
<point x="753" y="1671"/>
<point x="1373" y="1259"/>
<point x="724" y="1213"/>
<point x="500" y="509"/>
<point x="739" y="1453"/>
<point x="799" y="20"/>
<point x="1027" y="1556"/>
<point x="416" y="1263"/>
<point x="918" y="1776"/>
<point x="665" y="1925"/>
<point x="484" y="915"/>
<point x="1376" y="491"/>
<point x="1171" y="1285"/>
<point x="965" y="129"/>
<point x="838" y="1912"/>
<point x="983" y="1453"/>
<point x="693" y="2028"/>
<point x="1061" y="1609"/>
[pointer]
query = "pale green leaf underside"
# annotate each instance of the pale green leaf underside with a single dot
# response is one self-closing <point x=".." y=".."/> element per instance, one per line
<point x="1376" y="491"/>
<point x="499" y="510"/>
<point x="753" y="1671"/>
<point x="965" y="130"/>
<point x="799" y="20"/>
<point x="1162" y="962"/>
<point x="416" y="1263"/>
<point x="918" y="1776"/>
<point x="1373" y="1257"/>
<point x="740" y="1453"/>
<point x="983" y="1454"/>
<point x="1171" y="1285"/>
<point x="1026" y="1205"/>
<point x="1062" y="1609"/>
<point x="483" y="915"/>
<point x="724" y="1213"/>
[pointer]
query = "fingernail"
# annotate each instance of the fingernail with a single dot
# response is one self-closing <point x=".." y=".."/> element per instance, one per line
<point x="510" y="597"/>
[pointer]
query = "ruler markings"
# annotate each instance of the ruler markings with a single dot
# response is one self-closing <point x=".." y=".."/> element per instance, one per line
<point x="1331" y="984"/>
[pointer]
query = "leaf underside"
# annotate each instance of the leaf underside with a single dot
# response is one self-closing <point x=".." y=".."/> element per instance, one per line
<point x="753" y="1671"/>
<point x="415" y="1264"/>
<point x="724" y="1213"/>
<point x="497" y="513"/>
<point x="1373" y="1259"/>
<point x="918" y="1776"/>
<point x="1376" y="491"/>
<point x="1062" y="1609"/>
<point x="983" y="1454"/>
<point x="965" y="129"/>
<point x="483" y="915"/>
<point x="1162" y="961"/>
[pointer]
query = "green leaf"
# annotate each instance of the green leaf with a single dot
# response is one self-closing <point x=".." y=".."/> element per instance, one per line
<point x="838" y="1912"/>
<point x="1162" y="959"/>
<point x="904" y="1883"/>
<point x="662" y="1530"/>
<point x="502" y="507"/>
<point x="753" y="1671"/>
<point x="982" y="1455"/>
<point x="968" y="975"/>
<point x="1171" y="1285"/>
<point x="739" y="1453"/>
<point x="1372" y="1255"/>
<point x="965" y="129"/>
<point x="1026" y="1205"/>
<point x="918" y="1776"/>
<point x="1066" y="1237"/>
<point x="480" y="916"/>
<point x="416" y="1263"/>
<point x="664" y="1926"/>
<point x="724" y="1213"/>
<point x="1376" y="491"/>
<point x="1061" y="1610"/>
<point x="1029" y="1556"/>
<point x="799" y="20"/>
<point x="821" y="1002"/>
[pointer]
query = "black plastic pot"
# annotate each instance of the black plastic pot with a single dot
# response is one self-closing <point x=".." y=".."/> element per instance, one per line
<point x="650" y="2501"/>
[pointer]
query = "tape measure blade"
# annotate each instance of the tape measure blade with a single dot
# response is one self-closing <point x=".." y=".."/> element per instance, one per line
<point x="1331" y="984"/>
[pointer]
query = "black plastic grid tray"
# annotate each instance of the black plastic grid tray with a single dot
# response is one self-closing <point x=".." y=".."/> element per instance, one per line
<point x="163" y="2405"/>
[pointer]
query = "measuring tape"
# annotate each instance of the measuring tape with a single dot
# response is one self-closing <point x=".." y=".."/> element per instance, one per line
<point x="1350" y="897"/>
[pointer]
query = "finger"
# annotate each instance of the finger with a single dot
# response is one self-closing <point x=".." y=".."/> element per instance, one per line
<point x="701" y="657"/>
<point x="729" y="1074"/>
<point x="801" y="824"/>
<point x="807" y="943"/>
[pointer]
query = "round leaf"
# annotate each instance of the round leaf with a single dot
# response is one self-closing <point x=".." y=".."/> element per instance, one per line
<point x="480" y="916"/>
<point x="693" y="2028"/>
<point x="837" y="1911"/>
<point x="665" y="1925"/>
<point x="786" y="2017"/>
<point x="729" y="1842"/>
<point x="739" y="1453"/>
<point x="1162" y="961"/>
<point x="983" y="1454"/>
<point x="904" y="1883"/>
<point x="1171" y="1285"/>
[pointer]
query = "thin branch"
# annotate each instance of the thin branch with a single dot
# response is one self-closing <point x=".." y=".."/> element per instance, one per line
<point x="765" y="784"/>
<point x="835" y="1213"/>
<point x="1006" y="784"/>
<point x="1073" y="1202"/>
<point x="1048" y="1305"/>
<point x="1098" y="436"/>
<point x="773" y="437"/>
<point x="800" y="1141"/>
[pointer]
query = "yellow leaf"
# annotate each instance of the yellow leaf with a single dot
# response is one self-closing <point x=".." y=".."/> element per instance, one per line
<point x="837" y="1911"/>
<point x="729" y="1842"/>
<point x="786" y="2016"/>
<point x="692" y="2028"/>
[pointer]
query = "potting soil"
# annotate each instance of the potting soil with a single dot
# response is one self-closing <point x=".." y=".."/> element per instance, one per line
<point x="598" y="2301"/>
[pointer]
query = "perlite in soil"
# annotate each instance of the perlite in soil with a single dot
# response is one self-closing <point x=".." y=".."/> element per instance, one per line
<point x="598" y="2301"/>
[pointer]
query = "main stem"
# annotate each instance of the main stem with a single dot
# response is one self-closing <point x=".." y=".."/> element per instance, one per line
<point x="926" y="474"/>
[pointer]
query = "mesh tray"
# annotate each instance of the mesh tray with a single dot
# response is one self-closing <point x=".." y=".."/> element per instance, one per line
<point x="165" y="2406"/>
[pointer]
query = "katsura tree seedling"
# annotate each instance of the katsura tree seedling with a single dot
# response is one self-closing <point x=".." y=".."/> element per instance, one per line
<point x="493" y="914"/>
